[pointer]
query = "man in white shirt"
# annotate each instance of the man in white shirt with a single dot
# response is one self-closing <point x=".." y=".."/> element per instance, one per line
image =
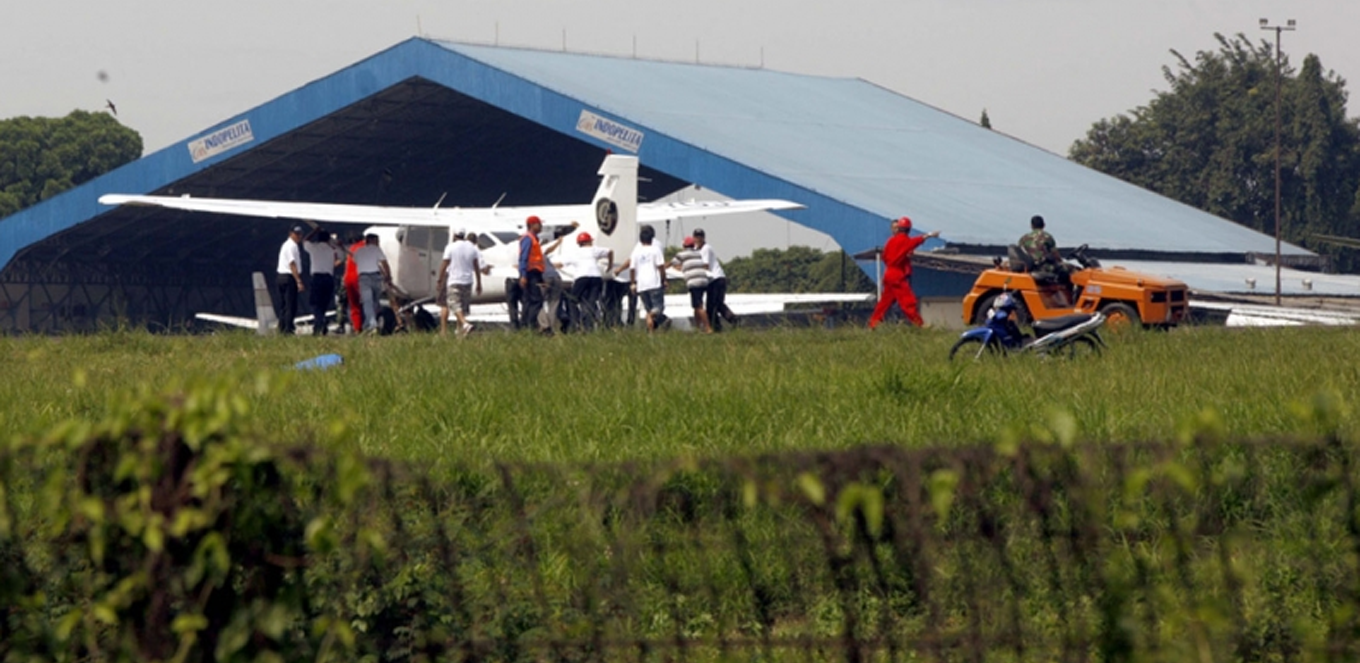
<point x="649" y="277"/>
<point x="717" y="284"/>
<point x="585" y="263"/>
<point x="288" y="279"/>
<point x="373" y="274"/>
<point x="481" y="257"/>
<point x="325" y="256"/>
<point x="460" y="269"/>
<point x="615" y="290"/>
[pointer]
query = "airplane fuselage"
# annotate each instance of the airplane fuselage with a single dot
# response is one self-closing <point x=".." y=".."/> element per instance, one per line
<point x="414" y="254"/>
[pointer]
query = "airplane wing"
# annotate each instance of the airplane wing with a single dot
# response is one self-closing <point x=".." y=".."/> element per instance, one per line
<point x="1255" y="315"/>
<point x="229" y="320"/>
<point x="779" y="302"/>
<point x="670" y="211"/>
<point x="482" y="219"/>
<point x="474" y="219"/>
<point x="678" y="309"/>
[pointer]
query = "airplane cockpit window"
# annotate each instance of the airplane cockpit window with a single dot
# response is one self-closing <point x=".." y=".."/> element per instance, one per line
<point x="441" y="239"/>
<point x="505" y="237"/>
<point x="417" y="237"/>
<point x="484" y="241"/>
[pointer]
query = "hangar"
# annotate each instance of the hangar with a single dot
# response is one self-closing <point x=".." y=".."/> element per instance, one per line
<point x="426" y="118"/>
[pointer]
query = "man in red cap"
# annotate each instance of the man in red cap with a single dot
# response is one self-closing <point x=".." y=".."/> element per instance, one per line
<point x="531" y="267"/>
<point x="897" y="277"/>
<point x="588" y="264"/>
<point x="694" y="268"/>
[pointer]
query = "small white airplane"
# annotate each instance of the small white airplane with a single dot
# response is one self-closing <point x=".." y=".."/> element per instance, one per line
<point x="414" y="238"/>
<point x="677" y="307"/>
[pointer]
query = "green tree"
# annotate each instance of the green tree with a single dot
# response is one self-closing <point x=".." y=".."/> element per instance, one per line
<point x="41" y="157"/>
<point x="1209" y="141"/>
<point x="796" y="269"/>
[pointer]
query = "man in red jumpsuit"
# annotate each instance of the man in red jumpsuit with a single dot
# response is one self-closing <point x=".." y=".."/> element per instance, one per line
<point x="897" y="277"/>
<point x="356" y="310"/>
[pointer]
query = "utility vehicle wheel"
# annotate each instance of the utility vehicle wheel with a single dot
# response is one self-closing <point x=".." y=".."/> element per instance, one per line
<point x="973" y="348"/>
<point x="1120" y="317"/>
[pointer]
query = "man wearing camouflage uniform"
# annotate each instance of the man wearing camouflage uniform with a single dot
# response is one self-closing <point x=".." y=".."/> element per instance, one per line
<point x="1042" y="251"/>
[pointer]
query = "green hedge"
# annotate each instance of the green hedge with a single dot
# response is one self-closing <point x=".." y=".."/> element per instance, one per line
<point x="173" y="531"/>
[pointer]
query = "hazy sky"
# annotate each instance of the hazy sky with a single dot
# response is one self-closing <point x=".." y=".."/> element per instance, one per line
<point x="1044" y="70"/>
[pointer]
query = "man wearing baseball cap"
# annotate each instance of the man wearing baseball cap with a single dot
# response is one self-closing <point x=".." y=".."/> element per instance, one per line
<point x="585" y="262"/>
<point x="288" y="279"/>
<point x="715" y="309"/>
<point x="531" y="270"/>
<point x="692" y="265"/>
<point x="897" y="275"/>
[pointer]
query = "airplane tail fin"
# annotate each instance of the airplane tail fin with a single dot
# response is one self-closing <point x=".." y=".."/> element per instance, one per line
<point x="615" y="206"/>
<point x="268" y="323"/>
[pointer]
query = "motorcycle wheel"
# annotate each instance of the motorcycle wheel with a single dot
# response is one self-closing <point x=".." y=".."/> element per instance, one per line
<point x="1081" y="346"/>
<point x="973" y="348"/>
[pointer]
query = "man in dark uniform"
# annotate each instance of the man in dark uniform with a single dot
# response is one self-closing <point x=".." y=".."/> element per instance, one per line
<point x="1042" y="251"/>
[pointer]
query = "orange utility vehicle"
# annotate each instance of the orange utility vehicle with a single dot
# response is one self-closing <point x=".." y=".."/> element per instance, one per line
<point x="1126" y="298"/>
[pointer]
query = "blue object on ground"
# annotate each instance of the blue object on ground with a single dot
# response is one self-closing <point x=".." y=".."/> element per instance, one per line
<point x="320" y="363"/>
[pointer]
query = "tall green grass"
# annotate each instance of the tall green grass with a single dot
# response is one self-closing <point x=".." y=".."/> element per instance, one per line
<point x="616" y="396"/>
<point x="1178" y="551"/>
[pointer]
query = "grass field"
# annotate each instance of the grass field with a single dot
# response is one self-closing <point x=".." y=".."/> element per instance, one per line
<point x="618" y="396"/>
<point x="1204" y="552"/>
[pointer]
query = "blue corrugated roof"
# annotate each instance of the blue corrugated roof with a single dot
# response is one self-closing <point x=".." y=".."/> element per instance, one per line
<point x="173" y="163"/>
<point x="876" y="151"/>
<point x="855" y="153"/>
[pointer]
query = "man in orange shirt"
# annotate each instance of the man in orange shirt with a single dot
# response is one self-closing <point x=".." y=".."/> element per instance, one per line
<point x="897" y="277"/>
<point x="531" y="271"/>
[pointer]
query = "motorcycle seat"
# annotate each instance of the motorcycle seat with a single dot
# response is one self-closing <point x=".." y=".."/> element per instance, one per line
<point x="1060" y="323"/>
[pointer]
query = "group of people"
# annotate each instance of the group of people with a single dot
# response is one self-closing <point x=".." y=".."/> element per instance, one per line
<point x="705" y="281"/>
<point x="600" y="287"/>
<point x="367" y="274"/>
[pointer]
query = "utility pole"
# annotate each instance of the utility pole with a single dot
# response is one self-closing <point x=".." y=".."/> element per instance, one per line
<point x="1279" y="73"/>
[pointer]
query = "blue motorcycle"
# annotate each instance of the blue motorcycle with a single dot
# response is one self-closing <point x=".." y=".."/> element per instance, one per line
<point x="1069" y="335"/>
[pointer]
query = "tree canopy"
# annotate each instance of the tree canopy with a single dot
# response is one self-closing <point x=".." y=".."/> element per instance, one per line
<point x="1209" y="141"/>
<point x="796" y="269"/>
<point x="40" y="157"/>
